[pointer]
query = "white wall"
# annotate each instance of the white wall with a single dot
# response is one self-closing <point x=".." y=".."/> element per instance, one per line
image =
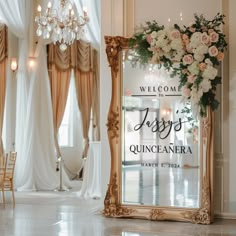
<point x="162" y="10"/>
<point x="232" y="106"/>
<point x="111" y="24"/>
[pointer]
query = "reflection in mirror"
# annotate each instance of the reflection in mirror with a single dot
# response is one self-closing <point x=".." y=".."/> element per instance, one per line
<point x="160" y="141"/>
<point x="149" y="234"/>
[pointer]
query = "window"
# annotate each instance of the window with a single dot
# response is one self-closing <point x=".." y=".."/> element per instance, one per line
<point x="66" y="134"/>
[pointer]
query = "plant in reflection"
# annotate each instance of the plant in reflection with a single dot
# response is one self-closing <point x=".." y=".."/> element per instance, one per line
<point x="192" y="53"/>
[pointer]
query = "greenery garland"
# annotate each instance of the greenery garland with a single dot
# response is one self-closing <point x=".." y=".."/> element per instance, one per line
<point x="193" y="53"/>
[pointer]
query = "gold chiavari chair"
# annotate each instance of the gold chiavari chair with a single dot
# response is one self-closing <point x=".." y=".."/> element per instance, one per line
<point x="7" y="180"/>
<point x="3" y="165"/>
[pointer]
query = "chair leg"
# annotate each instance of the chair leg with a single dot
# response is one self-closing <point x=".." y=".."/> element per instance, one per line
<point x="13" y="197"/>
<point x="3" y="197"/>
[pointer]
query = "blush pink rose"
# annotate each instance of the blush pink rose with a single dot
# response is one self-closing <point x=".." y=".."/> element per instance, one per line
<point x="185" y="39"/>
<point x="202" y="66"/>
<point x="213" y="51"/>
<point x="128" y="92"/>
<point x="191" y="79"/>
<point x="210" y="31"/>
<point x="175" y="34"/>
<point x="214" y="37"/>
<point x="149" y="38"/>
<point x="186" y="91"/>
<point x="205" y="39"/>
<point x="188" y="59"/>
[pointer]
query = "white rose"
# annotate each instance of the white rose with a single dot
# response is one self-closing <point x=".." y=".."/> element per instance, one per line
<point x="166" y="48"/>
<point x="208" y="61"/>
<point x="161" y="42"/>
<point x="198" y="57"/>
<point x="196" y="94"/>
<point x="161" y="33"/>
<point x="205" y="85"/>
<point x="201" y="49"/>
<point x="195" y="40"/>
<point x="179" y="54"/>
<point x="176" y="44"/>
<point x="210" y="72"/>
<point x="154" y="34"/>
<point x="193" y="68"/>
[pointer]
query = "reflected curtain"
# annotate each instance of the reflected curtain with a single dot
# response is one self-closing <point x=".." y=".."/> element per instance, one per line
<point x="3" y="74"/>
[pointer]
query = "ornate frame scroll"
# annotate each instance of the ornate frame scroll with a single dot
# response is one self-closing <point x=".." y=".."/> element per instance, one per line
<point x="112" y="203"/>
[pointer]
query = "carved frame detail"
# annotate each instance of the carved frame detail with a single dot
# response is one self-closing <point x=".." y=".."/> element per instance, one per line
<point x="112" y="203"/>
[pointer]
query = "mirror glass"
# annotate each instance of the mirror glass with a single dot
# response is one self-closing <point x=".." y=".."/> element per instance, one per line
<point x="160" y="140"/>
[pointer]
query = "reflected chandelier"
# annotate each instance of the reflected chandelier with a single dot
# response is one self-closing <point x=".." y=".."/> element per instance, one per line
<point x="61" y="25"/>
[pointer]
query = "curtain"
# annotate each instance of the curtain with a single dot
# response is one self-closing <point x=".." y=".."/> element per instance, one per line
<point x="59" y="83"/>
<point x="84" y="89"/>
<point x="3" y="68"/>
<point x="96" y="99"/>
<point x="84" y="59"/>
<point x="16" y="15"/>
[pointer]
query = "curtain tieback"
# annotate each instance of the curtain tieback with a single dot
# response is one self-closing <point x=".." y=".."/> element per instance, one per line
<point x="86" y="146"/>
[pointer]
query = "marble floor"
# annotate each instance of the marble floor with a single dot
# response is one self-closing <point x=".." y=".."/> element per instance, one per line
<point x="65" y="214"/>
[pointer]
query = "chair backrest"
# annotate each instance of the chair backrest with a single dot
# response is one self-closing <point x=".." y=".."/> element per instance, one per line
<point x="3" y="166"/>
<point x="10" y="165"/>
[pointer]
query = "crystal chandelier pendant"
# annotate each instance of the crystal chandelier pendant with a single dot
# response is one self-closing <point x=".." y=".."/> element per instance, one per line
<point x="63" y="47"/>
<point x="61" y="25"/>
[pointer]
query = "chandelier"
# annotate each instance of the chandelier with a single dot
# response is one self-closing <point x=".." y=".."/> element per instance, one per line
<point x="61" y="25"/>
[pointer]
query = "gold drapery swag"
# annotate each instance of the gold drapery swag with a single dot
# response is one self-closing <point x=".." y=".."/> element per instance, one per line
<point x="3" y="78"/>
<point x="83" y="58"/>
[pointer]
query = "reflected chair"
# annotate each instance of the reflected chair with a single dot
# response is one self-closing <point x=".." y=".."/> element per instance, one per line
<point x="7" y="178"/>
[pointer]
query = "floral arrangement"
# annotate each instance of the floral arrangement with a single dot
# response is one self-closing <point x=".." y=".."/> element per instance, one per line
<point x="192" y="53"/>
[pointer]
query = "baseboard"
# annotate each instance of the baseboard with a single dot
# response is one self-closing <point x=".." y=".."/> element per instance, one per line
<point x="229" y="216"/>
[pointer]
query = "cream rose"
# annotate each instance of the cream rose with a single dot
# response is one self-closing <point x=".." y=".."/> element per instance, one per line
<point x="201" y="49"/>
<point x="205" y="85"/>
<point x="193" y="68"/>
<point x="198" y="57"/>
<point x="154" y="34"/>
<point x="210" y="72"/>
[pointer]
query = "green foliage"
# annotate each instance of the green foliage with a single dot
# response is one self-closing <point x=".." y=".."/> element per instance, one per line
<point x="152" y="43"/>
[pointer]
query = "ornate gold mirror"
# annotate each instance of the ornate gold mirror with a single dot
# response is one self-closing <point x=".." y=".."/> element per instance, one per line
<point x="161" y="156"/>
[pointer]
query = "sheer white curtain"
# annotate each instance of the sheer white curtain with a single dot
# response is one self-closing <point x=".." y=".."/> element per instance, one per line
<point x="16" y="15"/>
<point x="39" y="145"/>
<point x="35" y="166"/>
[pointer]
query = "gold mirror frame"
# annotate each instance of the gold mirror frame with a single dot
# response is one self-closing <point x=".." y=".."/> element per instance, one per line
<point x="112" y="203"/>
